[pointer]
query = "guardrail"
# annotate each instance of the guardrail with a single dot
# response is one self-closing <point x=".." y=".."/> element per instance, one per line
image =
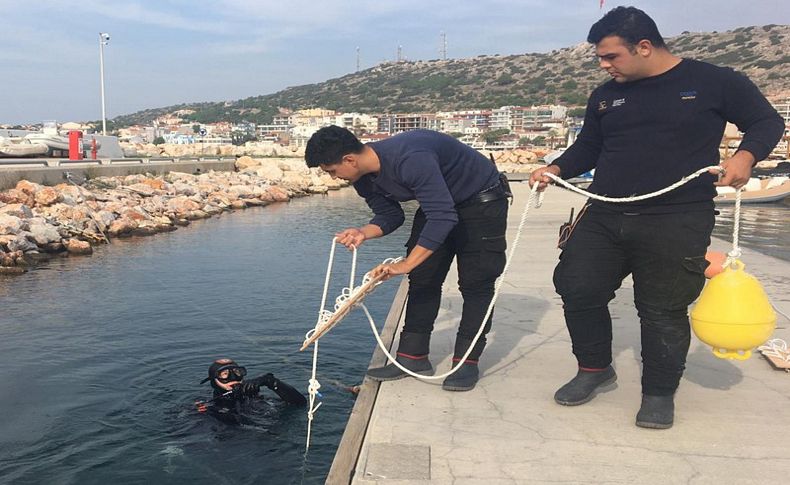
<point x="58" y="162"/>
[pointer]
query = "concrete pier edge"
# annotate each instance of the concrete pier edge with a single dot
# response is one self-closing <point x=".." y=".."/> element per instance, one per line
<point x="345" y="461"/>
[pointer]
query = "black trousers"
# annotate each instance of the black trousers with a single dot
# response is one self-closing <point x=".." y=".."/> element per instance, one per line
<point x="665" y="254"/>
<point x="478" y="242"/>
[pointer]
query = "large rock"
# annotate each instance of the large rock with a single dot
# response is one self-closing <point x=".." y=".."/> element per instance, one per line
<point x="18" y="210"/>
<point x="104" y="218"/>
<point x="181" y="188"/>
<point x="241" y="191"/>
<point x="142" y="189"/>
<point x="246" y="162"/>
<point x="269" y="172"/>
<point x="122" y="226"/>
<point x="156" y="184"/>
<point x="182" y="205"/>
<point x="77" y="247"/>
<point x="277" y="194"/>
<point x="21" y="243"/>
<point x="72" y="194"/>
<point x="44" y="233"/>
<point x="27" y="187"/>
<point x="14" y="196"/>
<point x="11" y="224"/>
<point x="46" y="196"/>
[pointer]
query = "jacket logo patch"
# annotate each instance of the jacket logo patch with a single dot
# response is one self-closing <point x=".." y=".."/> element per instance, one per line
<point x="618" y="102"/>
<point x="601" y="105"/>
<point x="688" y="95"/>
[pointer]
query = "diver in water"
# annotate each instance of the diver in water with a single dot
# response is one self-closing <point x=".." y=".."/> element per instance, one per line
<point x="232" y="392"/>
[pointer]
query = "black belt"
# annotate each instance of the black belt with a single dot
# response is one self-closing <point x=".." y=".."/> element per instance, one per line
<point x="498" y="191"/>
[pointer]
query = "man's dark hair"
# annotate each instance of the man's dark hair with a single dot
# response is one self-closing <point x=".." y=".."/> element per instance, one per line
<point x="628" y="23"/>
<point x="329" y="145"/>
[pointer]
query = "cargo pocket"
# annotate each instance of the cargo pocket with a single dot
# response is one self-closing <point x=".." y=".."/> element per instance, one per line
<point x="492" y="256"/>
<point x="690" y="280"/>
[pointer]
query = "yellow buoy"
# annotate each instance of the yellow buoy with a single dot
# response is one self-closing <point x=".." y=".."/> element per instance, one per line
<point x="733" y="314"/>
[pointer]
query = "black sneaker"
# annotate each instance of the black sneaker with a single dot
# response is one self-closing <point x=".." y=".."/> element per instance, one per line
<point x="391" y="372"/>
<point x="464" y="379"/>
<point x="585" y="386"/>
<point x="656" y="412"/>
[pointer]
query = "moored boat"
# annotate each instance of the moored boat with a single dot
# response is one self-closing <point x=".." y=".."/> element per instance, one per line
<point x="757" y="191"/>
<point x="10" y="148"/>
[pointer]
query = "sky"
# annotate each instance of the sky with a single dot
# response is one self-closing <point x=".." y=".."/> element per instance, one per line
<point x="165" y="52"/>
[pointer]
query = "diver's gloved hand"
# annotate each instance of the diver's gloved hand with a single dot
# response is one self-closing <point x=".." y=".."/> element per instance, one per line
<point x="250" y="389"/>
<point x="268" y="380"/>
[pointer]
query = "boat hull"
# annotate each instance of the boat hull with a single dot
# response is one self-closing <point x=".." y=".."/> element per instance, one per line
<point x="765" y="191"/>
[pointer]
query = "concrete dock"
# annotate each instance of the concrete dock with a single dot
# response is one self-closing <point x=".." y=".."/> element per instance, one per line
<point x="732" y="419"/>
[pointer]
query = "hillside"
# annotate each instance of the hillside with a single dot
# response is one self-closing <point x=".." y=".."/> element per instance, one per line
<point x="562" y="76"/>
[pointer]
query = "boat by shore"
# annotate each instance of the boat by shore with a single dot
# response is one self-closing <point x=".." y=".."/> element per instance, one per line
<point x="756" y="191"/>
<point x="20" y="148"/>
<point x="58" y="143"/>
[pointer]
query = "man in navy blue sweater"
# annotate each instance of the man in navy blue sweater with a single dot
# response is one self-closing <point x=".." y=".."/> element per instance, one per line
<point x="462" y="214"/>
<point x="657" y="120"/>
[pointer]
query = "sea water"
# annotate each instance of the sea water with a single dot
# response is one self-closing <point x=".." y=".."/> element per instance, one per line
<point x="101" y="356"/>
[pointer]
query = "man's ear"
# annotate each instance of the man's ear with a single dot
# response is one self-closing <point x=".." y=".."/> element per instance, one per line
<point x="644" y="48"/>
<point x="352" y="159"/>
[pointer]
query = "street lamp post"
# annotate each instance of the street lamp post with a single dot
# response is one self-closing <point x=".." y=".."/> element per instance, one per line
<point x="104" y="39"/>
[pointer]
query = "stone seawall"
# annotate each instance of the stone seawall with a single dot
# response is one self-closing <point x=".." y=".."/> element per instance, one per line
<point x="39" y="221"/>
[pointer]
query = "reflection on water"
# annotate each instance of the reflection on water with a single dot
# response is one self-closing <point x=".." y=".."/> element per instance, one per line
<point x="101" y="356"/>
<point x="764" y="227"/>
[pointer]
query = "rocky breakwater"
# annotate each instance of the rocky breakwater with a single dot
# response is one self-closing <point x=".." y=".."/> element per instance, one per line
<point x="38" y="222"/>
<point x="516" y="161"/>
<point x="261" y="149"/>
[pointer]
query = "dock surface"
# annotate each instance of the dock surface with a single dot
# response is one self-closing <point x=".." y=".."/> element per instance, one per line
<point x="732" y="419"/>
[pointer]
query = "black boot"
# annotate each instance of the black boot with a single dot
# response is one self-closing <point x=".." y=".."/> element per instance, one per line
<point x="412" y="354"/>
<point x="657" y="412"/>
<point x="466" y="377"/>
<point x="584" y="386"/>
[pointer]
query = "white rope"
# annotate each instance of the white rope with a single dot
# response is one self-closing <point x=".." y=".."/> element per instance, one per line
<point x="776" y="348"/>
<point x="734" y="254"/>
<point x="324" y="316"/>
<point x="497" y="286"/>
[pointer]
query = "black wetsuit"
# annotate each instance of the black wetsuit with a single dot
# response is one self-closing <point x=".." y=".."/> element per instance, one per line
<point x="231" y="408"/>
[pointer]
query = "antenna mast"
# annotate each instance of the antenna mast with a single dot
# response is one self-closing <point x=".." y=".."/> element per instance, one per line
<point x="357" y="58"/>
<point x="443" y="46"/>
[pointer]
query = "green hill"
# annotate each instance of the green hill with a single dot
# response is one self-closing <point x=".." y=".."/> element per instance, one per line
<point x="563" y="76"/>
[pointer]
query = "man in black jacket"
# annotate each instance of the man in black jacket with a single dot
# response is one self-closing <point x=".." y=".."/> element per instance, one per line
<point x="657" y="120"/>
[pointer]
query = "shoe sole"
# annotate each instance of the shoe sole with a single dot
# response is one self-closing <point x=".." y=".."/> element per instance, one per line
<point x="649" y="425"/>
<point x="605" y="386"/>
<point x="400" y="376"/>
<point x="458" y="388"/>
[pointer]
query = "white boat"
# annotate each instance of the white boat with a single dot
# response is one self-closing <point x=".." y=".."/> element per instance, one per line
<point x="54" y="142"/>
<point x="59" y="143"/>
<point x="10" y="148"/>
<point x="756" y="191"/>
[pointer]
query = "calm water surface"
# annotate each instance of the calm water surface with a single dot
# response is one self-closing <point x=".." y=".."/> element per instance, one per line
<point x="764" y="227"/>
<point x="101" y="356"/>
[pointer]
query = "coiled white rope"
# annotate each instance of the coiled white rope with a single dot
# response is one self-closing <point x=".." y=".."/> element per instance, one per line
<point x="324" y="316"/>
